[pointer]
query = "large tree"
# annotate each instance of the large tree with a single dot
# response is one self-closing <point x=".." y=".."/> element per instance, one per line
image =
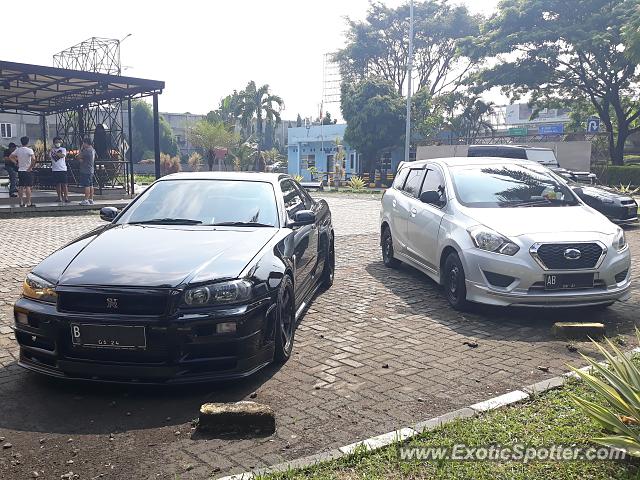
<point x="142" y="128"/>
<point x="374" y="112"/>
<point x="556" y="50"/>
<point x="227" y="110"/>
<point x="378" y="46"/>
<point x="259" y="103"/>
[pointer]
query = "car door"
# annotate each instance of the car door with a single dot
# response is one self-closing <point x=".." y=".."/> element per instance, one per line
<point x="424" y="221"/>
<point x="304" y="236"/>
<point x="314" y="234"/>
<point x="401" y="205"/>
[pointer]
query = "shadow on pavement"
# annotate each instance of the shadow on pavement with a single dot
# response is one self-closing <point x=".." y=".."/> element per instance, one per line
<point x="531" y="324"/>
<point x="34" y="403"/>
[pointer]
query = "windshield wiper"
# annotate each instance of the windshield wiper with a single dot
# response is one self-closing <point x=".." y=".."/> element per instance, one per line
<point x="167" y="221"/>
<point x="240" y="224"/>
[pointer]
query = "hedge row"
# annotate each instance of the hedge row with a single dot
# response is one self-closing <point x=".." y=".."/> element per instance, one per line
<point x="616" y="175"/>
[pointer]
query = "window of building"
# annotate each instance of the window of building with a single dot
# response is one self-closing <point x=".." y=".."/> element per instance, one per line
<point x="352" y="161"/>
<point x="307" y="161"/>
<point x="330" y="163"/>
<point x="6" y="130"/>
<point x="412" y="154"/>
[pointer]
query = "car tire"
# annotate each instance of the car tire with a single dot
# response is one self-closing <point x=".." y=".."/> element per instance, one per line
<point x="386" y="243"/>
<point x="329" y="269"/>
<point x="453" y="280"/>
<point x="285" y="325"/>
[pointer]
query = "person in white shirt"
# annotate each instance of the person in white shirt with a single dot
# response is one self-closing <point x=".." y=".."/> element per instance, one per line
<point x="26" y="161"/>
<point x="58" y="156"/>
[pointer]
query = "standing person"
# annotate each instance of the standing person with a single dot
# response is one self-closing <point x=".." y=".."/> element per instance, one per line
<point x="12" y="169"/>
<point x="87" y="158"/>
<point x="26" y="160"/>
<point x="58" y="156"/>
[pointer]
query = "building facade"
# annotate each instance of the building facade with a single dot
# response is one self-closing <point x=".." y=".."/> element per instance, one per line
<point x="316" y="146"/>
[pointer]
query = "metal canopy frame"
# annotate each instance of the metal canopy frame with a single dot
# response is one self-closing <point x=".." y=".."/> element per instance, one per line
<point x="81" y="99"/>
<point x="41" y="90"/>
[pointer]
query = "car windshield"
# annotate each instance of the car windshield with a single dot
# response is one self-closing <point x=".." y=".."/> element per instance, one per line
<point x="509" y="185"/>
<point x="545" y="157"/>
<point x="205" y="202"/>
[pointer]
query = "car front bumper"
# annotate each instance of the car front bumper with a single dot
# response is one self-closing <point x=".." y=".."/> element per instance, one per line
<point x="527" y="288"/>
<point x="182" y="349"/>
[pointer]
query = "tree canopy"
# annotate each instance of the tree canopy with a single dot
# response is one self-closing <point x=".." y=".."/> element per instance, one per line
<point x="374" y="112"/>
<point x="378" y="46"/>
<point x="142" y="132"/>
<point x="558" y="50"/>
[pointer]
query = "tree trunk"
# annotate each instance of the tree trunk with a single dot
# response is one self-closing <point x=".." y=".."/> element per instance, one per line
<point x="617" y="148"/>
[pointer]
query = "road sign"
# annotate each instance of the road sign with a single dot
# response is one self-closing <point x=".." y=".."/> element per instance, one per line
<point x="518" y="131"/>
<point x="551" y="129"/>
<point x="593" y="125"/>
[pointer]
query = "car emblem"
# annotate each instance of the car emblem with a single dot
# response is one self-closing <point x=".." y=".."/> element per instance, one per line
<point x="112" y="303"/>
<point x="572" y="254"/>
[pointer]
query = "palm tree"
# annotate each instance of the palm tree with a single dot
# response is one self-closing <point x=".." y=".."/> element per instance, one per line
<point x="262" y="104"/>
<point x="244" y="155"/>
<point x="211" y="136"/>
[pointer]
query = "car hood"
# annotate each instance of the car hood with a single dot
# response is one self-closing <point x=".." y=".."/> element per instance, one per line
<point x="158" y="255"/>
<point x="514" y="222"/>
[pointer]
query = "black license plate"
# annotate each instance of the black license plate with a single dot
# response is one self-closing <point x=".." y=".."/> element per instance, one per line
<point x="108" y="336"/>
<point x="568" y="281"/>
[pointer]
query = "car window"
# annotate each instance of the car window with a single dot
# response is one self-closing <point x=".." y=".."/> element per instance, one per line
<point x="401" y="176"/>
<point x="414" y="182"/>
<point x="434" y="182"/>
<point x="207" y="201"/>
<point x="293" y="201"/>
<point x="509" y="185"/>
<point x="545" y="157"/>
<point x="306" y="198"/>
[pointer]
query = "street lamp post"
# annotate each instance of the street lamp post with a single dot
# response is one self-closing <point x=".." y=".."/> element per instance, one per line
<point x="407" y="141"/>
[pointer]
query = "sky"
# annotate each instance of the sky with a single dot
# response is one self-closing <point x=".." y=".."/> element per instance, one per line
<point x="203" y="49"/>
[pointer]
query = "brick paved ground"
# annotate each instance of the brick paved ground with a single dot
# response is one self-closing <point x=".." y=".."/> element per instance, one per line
<point x="380" y="350"/>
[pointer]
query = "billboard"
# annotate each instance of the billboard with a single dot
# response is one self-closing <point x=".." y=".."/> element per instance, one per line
<point x="520" y="114"/>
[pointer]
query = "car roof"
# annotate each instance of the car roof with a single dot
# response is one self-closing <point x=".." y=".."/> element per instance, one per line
<point x="469" y="161"/>
<point x="242" y="176"/>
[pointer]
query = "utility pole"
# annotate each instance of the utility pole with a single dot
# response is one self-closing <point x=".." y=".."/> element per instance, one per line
<point x="407" y="141"/>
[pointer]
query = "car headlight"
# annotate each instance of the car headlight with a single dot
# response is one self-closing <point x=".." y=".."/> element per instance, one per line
<point x="233" y="291"/>
<point x="619" y="240"/>
<point x="39" y="289"/>
<point x="486" y="239"/>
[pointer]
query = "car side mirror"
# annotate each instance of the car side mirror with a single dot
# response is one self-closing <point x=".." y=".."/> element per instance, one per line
<point x="303" y="217"/>
<point x="108" y="213"/>
<point x="431" y="197"/>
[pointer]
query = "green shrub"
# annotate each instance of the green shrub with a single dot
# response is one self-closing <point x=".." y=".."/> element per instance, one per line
<point x="356" y="183"/>
<point x="616" y="175"/>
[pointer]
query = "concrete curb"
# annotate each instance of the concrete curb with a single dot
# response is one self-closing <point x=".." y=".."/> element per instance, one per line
<point x="402" y="434"/>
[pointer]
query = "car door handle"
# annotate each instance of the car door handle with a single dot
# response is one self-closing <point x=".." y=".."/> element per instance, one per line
<point x="414" y="211"/>
<point x="394" y="203"/>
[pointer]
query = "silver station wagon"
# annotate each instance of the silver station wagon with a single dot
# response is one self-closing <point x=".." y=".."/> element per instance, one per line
<point x="502" y="232"/>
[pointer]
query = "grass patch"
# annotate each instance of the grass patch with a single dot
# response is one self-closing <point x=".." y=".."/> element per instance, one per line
<point x="144" y="179"/>
<point x="547" y="419"/>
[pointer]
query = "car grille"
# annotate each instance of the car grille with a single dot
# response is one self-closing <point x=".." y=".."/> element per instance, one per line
<point x="118" y="302"/>
<point x="552" y="255"/>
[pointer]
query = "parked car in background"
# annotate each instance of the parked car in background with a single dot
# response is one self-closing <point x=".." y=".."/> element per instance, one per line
<point x="202" y="277"/>
<point x="502" y="232"/>
<point x="617" y="207"/>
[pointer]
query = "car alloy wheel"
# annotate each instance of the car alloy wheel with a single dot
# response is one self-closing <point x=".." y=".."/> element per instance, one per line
<point x="454" y="282"/>
<point x="286" y="321"/>
<point x="387" y="249"/>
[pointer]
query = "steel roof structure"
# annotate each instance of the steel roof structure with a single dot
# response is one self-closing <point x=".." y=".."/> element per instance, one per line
<point x="41" y="90"/>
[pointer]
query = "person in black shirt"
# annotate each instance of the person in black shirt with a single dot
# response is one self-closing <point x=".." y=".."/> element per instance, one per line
<point x="12" y="169"/>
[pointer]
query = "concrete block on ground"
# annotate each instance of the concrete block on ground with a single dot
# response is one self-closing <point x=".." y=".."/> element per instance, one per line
<point x="237" y="418"/>
<point x="578" y="330"/>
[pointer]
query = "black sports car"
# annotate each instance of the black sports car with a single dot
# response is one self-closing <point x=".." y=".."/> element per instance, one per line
<point x="617" y="207"/>
<point x="202" y="277"/>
